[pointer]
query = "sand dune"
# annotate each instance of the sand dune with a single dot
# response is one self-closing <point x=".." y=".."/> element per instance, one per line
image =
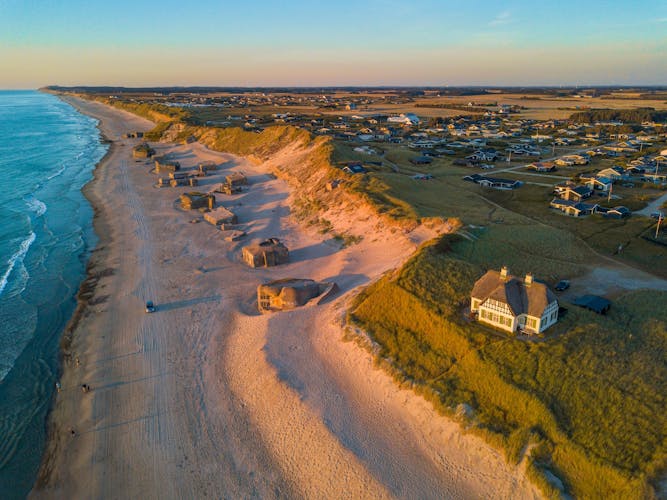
<point x="208" y="398"/>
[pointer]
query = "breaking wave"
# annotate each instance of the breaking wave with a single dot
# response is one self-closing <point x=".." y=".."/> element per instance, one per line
<point x="56" y="174"/>
<point x="18" y="257"/>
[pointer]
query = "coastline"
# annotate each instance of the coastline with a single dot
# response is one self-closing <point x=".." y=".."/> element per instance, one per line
<point x="208" y="397"/>
<point x="86" y="290"/>
<point x="97" y="267"/>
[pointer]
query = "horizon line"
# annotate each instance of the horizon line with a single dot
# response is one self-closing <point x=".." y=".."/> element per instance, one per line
<point x="351" y="86"/>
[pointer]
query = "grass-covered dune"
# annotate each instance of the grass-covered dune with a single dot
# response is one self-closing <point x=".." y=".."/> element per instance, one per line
<point x="309" y="168"/>
<point x="585" y="405"/>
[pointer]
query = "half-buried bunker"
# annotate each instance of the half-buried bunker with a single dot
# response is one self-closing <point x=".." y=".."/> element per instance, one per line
<point x="290" y="293"/>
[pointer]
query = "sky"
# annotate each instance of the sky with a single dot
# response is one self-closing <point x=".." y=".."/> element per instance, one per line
<point x="327" y="43"/>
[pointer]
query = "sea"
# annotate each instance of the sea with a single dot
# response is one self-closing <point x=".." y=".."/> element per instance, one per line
<point x="47" y="154"/>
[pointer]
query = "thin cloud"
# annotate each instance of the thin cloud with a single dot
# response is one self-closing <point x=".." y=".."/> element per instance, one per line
<point x="661" y="20"/>
<point x="501" y="19"/>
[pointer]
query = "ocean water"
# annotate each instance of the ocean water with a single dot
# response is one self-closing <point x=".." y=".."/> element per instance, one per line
<point x="47" y="154"/>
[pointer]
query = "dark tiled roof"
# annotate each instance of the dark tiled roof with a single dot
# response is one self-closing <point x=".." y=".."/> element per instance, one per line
<point x="521" y="298"/>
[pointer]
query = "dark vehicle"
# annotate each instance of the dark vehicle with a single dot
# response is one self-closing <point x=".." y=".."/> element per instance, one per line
<point x="150" y="307"/>
<point x="657" y="215"/>
<point x="562" y="285"/>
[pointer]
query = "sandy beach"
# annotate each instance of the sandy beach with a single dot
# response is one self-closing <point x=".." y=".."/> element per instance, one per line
<point x="208" y="398"/>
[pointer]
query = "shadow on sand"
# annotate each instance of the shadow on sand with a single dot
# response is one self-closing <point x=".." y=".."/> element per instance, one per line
<point x="311" y="252"/>
<point x="179" y="304"/>
<point x="126" y="422"/>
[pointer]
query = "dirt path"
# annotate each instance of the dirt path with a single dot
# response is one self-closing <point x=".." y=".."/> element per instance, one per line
<point x="654" y="206"/>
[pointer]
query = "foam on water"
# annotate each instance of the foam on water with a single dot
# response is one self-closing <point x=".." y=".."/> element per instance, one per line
<point x="47" y="154"/>
<point x="56" y="174"/>
<point x="36" y="206"/>
<point x="18" y="256"/>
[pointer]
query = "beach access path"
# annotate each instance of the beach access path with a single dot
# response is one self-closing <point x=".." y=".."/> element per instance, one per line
<point x="208" y="398"/>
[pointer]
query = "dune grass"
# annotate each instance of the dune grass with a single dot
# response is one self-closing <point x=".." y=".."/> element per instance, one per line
<point x="589" y="403"/>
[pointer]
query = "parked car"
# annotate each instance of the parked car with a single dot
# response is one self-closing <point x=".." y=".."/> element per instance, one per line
<point x="657" y="215"/>
<point x="562" y="285"/>
<point x="150" y="307"/>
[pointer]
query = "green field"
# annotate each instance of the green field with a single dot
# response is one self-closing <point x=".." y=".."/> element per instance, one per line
<point x="589" y="403"/>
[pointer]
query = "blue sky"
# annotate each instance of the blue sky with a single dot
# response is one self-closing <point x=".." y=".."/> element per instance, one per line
<point x="315" y="42"/>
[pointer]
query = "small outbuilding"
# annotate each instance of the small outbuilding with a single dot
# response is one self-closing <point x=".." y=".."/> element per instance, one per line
<point x="422" y="160"/>
<point x="267" y="253"/>
<point x="593" y="303"/>
<point x="290" y="293"/>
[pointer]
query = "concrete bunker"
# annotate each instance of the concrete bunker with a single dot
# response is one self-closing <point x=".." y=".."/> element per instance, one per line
<point x="267" y="253"/>
<point x="290" y="293"/>
<point x="195" y="200"/>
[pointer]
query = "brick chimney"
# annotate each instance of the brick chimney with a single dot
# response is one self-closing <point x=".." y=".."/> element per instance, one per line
<point x="528" y="280"/>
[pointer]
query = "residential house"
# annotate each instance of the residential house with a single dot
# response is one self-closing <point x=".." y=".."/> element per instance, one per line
<point x="573" y="208"/>
<point x="659" y="178"/>
<point x="354" y="168"/>
<point x="510" y="303"/>
<point x="405" y="119"/>
<point x="577" y="193"/>
<point x="614" y="173"/>
<point x="635" y="170"/>
<point x="543" y="166"/>
<point x="619" y="212"/>
<point x="597" y="183"/>
<point x="563" y="162"/>
<point x="493" y="182"/>
<point x="422" y="160"/>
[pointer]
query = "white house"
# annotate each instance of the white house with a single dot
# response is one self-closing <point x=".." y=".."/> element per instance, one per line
<point x="406" y="119"/>
<point x="510" y="303"/>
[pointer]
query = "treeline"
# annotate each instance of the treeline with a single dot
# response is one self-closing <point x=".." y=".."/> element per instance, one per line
<point x="624" y="115"/>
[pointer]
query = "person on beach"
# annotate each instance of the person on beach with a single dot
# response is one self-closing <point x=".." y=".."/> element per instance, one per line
<point x="72" y="432"/>
<point x="58" y="386"/>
